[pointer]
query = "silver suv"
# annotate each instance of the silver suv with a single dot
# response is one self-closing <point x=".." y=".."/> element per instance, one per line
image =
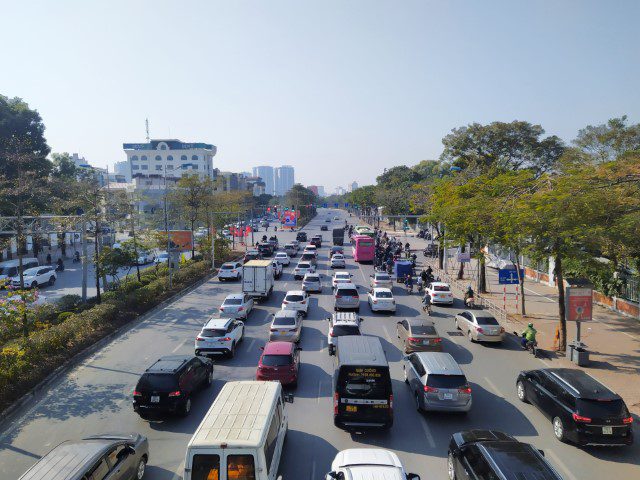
<point x="346" y="297"/>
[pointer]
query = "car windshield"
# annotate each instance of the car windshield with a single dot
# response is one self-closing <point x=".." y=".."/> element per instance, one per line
<point x="446" y="381"/>
<point x="307" y="256"/>
<point x="281" y="255"/>
<point x="233" y="301"/>
<point x="311" y="279"/>
<point x="347" y="292"/>
<point x="341" y="330"/>
<point x="382" y="278"/>
<point x="601" y="409"/>
<point x="423" y="330"/>
<point x="276" y="360"/>
<point x="338" y="257"/>
<point x="303" y="265"/>
<point x="284" y="321"/>
<point x="294" y="298"/>
<point x="227" y="267"/>
<point x="384" y="295"/>
<point x="213" y="332"/>
<point x="343" y="276"/>
<point x="372" y="382"/>
<point x="487" y="321"/>
<point x="441" y="288"/>
<point x="157" y="381"/>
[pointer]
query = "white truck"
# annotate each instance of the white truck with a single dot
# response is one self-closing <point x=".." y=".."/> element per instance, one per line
<point x="257" y="278"/>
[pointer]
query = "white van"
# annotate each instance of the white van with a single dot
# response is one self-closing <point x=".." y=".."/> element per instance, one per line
<point x="9" y="268"/>
<point x="241" y="436"/>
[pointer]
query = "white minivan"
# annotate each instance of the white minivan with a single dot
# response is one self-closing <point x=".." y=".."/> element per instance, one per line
<point x="241" y="436"/>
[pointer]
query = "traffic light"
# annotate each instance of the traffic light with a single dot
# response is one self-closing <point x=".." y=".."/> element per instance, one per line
<point x="268" y="209"/>
<point x="293" y="208"/>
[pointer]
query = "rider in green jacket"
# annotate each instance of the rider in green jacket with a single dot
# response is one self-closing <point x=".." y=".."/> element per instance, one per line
<point x="529" y="335"/>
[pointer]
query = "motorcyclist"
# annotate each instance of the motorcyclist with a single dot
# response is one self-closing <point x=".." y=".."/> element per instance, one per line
<point x="76" y="256"/>
<point x="59" y="265"/>
<point x="469" y="293"/>
<point x="424" y="276"/>
<point x="426" y="302"/>
<point x="528" y="335"/>
<point x="409" y="282"/>
<point x="429" y="271"/>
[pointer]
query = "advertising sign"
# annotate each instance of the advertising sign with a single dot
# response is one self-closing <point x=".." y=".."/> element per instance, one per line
<point x="324" y="205"/>
<point x="509" y="276"/>
<point x="290" y="219"/>
<point x="464" y="257"/>
<point x="336" y="205"/>
<point x="579" y="302"/>
<point x="181" y="240"/>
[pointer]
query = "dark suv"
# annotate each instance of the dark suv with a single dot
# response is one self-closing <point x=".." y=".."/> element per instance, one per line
<point x="167" y="385"/>
<point x="301" y="236"/>
<point x="316" y="240"/>
<point x="581" y="409"/>
<point x="265" y="249"/>
<point x="491" y="454"/>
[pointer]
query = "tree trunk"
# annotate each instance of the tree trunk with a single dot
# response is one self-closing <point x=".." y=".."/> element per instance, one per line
<point x="461" y="269"/>
<point x="521" y="283"/>
<point x="96" y="253"/>
<point x="482" y="274"/>
<point x="562" y="344"/>
<point x="19" y="231"/>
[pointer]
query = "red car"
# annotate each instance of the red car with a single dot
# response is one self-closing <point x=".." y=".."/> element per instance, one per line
<point x="279" y="361"/>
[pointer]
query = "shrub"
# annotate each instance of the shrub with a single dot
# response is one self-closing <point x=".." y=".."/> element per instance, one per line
<point x="68" y="303"/>
<point x="63" y="316"/>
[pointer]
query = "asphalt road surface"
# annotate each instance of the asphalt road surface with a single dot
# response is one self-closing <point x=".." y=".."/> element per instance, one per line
<point x="95" y="397"/>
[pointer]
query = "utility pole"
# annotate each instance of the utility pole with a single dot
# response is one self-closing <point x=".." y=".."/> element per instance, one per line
<point x="84" y="260"/>
<point x="166" y="227"/>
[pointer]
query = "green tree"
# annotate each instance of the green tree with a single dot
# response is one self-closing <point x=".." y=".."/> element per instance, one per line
<point x="606" y="142"/>
<point x="190" y="198"/>
<point x="63" y="167"/>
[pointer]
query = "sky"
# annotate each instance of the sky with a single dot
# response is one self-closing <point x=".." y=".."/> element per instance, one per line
<point x="340" y="89"/>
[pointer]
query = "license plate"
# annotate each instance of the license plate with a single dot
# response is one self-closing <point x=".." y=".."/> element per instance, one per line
<point x="426" y="342"/>
<point x="282" y="333"/>
<point x="155" y="398"/>
<point x="441" y="296"/>
<point x="448" y="396"/>
<point x="351" y="408"/>
<point x="607" y="430"/>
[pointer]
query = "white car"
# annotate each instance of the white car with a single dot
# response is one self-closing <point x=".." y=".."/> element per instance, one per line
<point x="312" y="283"/>
<point x="36" y="276"/>
<point x="368" y="463"/>
<point x="162" y="257"/>
<point x="381" y="299"/>
<point x="340" y="277"/>
<point x="337" y="261"/>
<point x="282" y="258"/>
<point x="219" y="336"/>
<point x="277" y="269"/>
<point x="145" y="257"/>
<point x="382" y="280"/>
<point x="237" y="305"/>
<point x="310" y="249"/>
<point x="440" y="292"/>
<point x="230" y="271"/>
<point x="297" y="300"/>
<point x="295" y="243"/>
<point x="302" y="269"/>
<point x="342" y="324"/>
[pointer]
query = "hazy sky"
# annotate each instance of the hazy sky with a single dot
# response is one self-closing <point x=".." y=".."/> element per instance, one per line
<point x="338" y="89"/>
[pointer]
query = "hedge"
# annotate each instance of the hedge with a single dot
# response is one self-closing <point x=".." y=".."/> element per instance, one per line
<point x="23" y="364"/>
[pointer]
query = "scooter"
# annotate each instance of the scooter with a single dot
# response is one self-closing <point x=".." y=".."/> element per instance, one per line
<point x="426" y="308"/>
<point x="470" y="302"/>
<point x="530" y="346"/>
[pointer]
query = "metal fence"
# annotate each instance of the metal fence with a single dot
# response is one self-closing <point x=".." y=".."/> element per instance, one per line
<point x="631" y="289"/>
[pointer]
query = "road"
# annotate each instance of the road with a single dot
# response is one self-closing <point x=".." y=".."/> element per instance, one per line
<point x="96" y="396"/>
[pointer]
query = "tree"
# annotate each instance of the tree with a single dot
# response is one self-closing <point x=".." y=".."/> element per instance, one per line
<point x="22" y="132"/>
<point x="398" y="177"/>
<point x="63" y="166"/>
<point x="190" y="197"/>
<point x="606" y="142"/>
<point x="112" y="260"/>
<point x="478" y="148"/>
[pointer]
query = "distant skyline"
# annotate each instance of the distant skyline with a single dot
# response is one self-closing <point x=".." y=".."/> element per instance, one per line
<point x="338" y="90"/>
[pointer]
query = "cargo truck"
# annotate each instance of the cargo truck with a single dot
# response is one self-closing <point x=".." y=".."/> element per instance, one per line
<point x="257" y="278"/>
<point x="338" y="236"/>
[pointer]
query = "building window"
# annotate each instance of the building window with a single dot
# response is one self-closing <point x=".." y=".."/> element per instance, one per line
<point x="145" y="167"/>
<point x="185" y="166"/>
<point x="159" y="167"/>
<point x="135" y="167"/>
<point x="183" y="157"/>
<point x="134" y="158"/>
<point x="169" y="167"/>
<point x="195" y="167"/>
<point x="194" y="157"/>
<point x="158" y="158"/>
<point x="143" y="157"/>
<point x="163" y="147"/>
<point x="170" y="158"/>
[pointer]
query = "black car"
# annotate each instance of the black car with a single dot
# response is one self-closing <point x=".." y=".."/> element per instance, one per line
<point x="168" y="385"/>
<point x="301" y="236"/>
<point x="495" y="455"/>
<point x="581" y="409"/>
<point x="336" y="249"/>
<point x="252" y="255"/>
<point x="265" y="249"/>
<point x="316" y="240"/>
<point x="324" y="228"/>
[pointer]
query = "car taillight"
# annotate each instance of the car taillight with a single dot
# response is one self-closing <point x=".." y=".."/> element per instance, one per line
<point x="336" y="401"/>
<point x="479" y="330"/>
<point x="338" y="296"/>
<point x="175" y="394"/>
<point x="221" y="309"/>
<point x="234" y="271"/>
<point x="226" y="339"/>
<point x="580" y="418"/>
<point x="436" y="340"/>
<point x="390" y="403"/>
<point x="303" y="302"/>
<point x="413" y="339"/>
<point x="375" y="301"/>
<point x="285" y="302"/>
<point x="466" y="389"/>
<point x="331" y="334"/>
<point x="199" y="339"/>
<point x="627" y="420"/>
<point x="241" y="309"/>
<point x="136" y="393"/>
<point x="429" y="389"/>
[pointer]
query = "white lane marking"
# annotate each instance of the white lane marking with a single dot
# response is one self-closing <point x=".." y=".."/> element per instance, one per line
<point x="364" y="280"/>
<point x="180" y="468"/>
<point x="427" y="432"/>
<point x="313" y="470"/>
<point x="386" y="332"/>
<point x="251" y="344"/>
<point x="180" y="345"/>
<point x="319" y="392"/>
<point x="565" y="469"/>
<point x="495" y="389"/>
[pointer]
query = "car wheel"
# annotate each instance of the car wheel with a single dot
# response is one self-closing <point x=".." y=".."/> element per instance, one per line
<point x="142" y="465"/>
<point x="232" y="353"/>
<point x="522" y="393"/>
<point x="457" y="325"/>
<point x="186" y="408"/>
<point x="209" y="379"/>
<point x="52" y="280"/>
<point x="417" y="399"/>
<point x="450" y="467"/>
<point x="470" y="337"/>
<point x="34" y="285"/>
<point x="558" y="429"/>
<point x="404" y="373"/>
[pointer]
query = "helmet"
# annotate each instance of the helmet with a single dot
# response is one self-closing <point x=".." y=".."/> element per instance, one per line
<point x="530" y="325"/>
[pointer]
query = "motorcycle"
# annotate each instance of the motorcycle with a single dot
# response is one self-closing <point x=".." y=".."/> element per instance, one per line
<point x="76" y="257"/>
<point x="409" y="288"/>
<point x="530" y="346"/>
<point x="470" y="302"/>
<point x="426" y="307"/>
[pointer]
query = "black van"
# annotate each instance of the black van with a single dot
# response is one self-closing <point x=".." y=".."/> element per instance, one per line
<point x="362" y="394"/>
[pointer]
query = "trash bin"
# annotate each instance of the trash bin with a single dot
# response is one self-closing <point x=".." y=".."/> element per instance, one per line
<point x="578" y="353"/>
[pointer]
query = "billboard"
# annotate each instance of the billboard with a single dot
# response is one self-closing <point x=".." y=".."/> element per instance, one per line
<point x="290" y="219"/>
<point x="181" y="240"/>
<point x="579" y="301"/>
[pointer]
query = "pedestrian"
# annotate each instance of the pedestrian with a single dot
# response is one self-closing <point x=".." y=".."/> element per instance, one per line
<point x="48" y="259"/>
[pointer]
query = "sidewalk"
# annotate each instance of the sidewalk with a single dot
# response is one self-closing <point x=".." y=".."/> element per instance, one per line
<point x="613" y="340"/>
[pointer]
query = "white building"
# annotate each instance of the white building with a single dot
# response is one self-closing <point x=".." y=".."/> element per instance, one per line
<point x="285" y="178"/>
<point x="174" y="157"/>
<point x="321" y="191"/>
<point x="353" y="186"/>
<point x="123" y="168"/>
<point x="267" y="175"/>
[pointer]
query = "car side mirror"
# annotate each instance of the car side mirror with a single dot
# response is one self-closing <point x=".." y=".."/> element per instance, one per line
<point x="298" y="349"/>
<point x="130" y="450"/>
<point x="261" y="348"/>
<point x="405" y="358"/>
<point x="541" y="452"/>
<point x="399" y="323"/>
<point x="413" y="476"/>
<point x="335" y="475"/>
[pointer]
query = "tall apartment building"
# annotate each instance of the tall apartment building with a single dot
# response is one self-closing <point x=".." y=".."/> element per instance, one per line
<point x="353" y="186"/>
<point x="267" y="175"/>
<point x="174" y="157"/>
<point x="285" y="178"/>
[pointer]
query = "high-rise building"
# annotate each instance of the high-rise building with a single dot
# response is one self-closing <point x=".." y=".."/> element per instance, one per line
<point x="267" y="175"/>
<point x="321" y="191"/>
<point x="285" y="178"/>
<point x="353" y="186"/>
<point x="313" y="188"/>
<point x="173" y="157"/>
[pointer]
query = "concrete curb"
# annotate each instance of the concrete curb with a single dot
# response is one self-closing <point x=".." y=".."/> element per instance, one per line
<point x="32" y="394"/>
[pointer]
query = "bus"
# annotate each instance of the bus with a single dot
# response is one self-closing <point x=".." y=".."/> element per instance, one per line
<point x="363" y="248"/>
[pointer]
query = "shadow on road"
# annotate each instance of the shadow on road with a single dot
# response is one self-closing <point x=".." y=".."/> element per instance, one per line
<point x="305" y="456"/>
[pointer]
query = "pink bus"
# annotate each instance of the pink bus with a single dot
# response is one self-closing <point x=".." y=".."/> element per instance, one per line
<point x="363" y="248"/>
